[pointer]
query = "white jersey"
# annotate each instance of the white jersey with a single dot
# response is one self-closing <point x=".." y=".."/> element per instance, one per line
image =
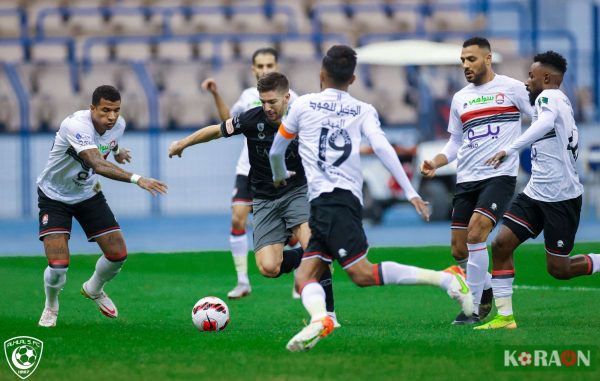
<point x="247" y="100"/>
<point x="553" y="173"/>
<point x="487" y="117"/>
<point x="66" y="177"/>
<point x="330" y="125"/>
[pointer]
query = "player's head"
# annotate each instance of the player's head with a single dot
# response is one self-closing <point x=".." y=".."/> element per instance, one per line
<point x="476" y="58"/>
<point x="546" y="72"/>
<point x="105" y="107"/>
<point x="274" y="93"/>
<point x="337" y="67"/>
<point x="264" y="61"/>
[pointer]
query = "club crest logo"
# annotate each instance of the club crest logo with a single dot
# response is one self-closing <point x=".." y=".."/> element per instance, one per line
<point x="23" y="354"/>
<point x="494" y="206"/>
<point x="260" y="127"/>
<point x="499" y="98"/>
<point x="45" y="219"/>
<point x="560" y="243"/>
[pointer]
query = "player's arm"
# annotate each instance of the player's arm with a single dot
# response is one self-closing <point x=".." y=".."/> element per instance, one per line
<point x="448" y="154"/>
<point x="211" y="85"/>
<point x="385" y="152"/>
<point x="539" y="128"/>
<point x="203" y="135"/>
<point x="107" y="169"/>
<point x="277" y="156"/>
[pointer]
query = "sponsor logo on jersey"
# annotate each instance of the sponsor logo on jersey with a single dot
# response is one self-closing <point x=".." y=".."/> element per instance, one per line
<point x="83" y="139"/>
<point x="542" y="100"/>
<point x="482" y="100"/>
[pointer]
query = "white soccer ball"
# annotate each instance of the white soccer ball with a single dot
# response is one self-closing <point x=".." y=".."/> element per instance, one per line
<point x="210" y="314"/>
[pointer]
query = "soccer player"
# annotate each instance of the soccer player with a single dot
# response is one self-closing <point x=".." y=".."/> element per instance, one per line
<point x="264" y="60"/>
<point x="485" y="115"/>
<point x="551" y="201"/>
<point x="69" y="187"/>
<point x="278" y="212"/>
<point x="329" y="126"/>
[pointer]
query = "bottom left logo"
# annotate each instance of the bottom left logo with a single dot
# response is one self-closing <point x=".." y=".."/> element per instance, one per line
<point x="23" y="354"/>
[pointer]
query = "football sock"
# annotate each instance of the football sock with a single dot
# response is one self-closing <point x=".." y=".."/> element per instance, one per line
<point x="54" y="280"/>
<point x="105" y="271"/>
<point x="291" y="260"/>
<point x="462" y="263"/>
<point x="595" y="258"/>
<point x="488" y="281"/>
<point x="502" y="282"/>
<point x="396" y="273"/>
<point x="239" y="251"/>
<point x="313" y="299"/>
<point x="327" y="285"/>
<point x="477" y="269"/>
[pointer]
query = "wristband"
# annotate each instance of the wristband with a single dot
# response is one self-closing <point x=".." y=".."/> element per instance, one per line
<point x="116" y="151"/>
<point x="135" y="178"/>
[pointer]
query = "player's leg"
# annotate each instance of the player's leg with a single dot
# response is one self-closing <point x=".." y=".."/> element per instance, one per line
<point x="561" y="220"/>
<point x="241" y="207"/>
<point x="55" y="219"/>
<point x="99" y="224"/>
<point x="522" y="221"/>
<point x="313" y="299"/>
<point x="492" y="200"/>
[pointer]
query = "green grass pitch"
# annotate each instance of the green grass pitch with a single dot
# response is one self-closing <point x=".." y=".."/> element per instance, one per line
<point x="388" y="333"/>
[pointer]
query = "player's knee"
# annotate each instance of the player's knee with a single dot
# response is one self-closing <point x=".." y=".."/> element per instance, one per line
<point x="559" y="272"/>
<point x="116" y="256"/>
<point x="459" y="253"/>
<point x="499" y="247"/>
<point x="269" y="269"/>
<point x="476" y="234"/>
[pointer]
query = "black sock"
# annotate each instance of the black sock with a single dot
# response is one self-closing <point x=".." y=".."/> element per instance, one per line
<point x="327" y="285"/>
<point x="291" y="260"/>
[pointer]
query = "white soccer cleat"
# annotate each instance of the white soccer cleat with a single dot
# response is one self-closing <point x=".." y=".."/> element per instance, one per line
<point x="459" y="290"/>
<point x="239" y="291"/>
<point x="48" y="318"/>
<point x="106" y="306"/>
<point x="333" y="317"/>
<point x="310" y="335"/>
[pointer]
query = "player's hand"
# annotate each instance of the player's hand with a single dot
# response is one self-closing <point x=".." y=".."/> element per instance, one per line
<point x="283" y="182"/>
<point x="427" y="168"/>
<point x="124" y="156"/>
<point x="176" y="148"/>
<point x="209" y="84"/>
<point x="422" y="207"/>
<point x="497" y="159"/>
<point x="153" y="186"/>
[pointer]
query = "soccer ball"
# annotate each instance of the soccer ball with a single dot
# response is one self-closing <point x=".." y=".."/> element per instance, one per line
<point x="25" y="355"/>
<point x="210" y="314"/>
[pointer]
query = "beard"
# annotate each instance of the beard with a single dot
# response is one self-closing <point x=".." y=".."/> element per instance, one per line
<point x="533" y="96"/>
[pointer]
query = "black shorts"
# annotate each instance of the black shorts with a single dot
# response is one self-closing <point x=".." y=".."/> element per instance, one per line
<point x="336" y="229"/>
<point x="242" y="195"/>
<point x="489" y="197"/>
<point x="94" y="216"/>
<point x="527" y="217"/>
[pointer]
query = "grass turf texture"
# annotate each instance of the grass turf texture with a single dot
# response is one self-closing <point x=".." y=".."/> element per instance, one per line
<point x="388" y="333"/>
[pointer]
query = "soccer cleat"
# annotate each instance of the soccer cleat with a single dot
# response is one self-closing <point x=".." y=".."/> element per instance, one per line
<point x="48" y="318"/>
<point x="486" y="303"/>
<point x="459" y="291"/>
<point x="106" y="306"/>
<point x="463" y="319"/>
<point x="333" y="317"/>
<point x="239" y="291"/>
<point x="310" y="335"/>
<point x="498" y="322"/>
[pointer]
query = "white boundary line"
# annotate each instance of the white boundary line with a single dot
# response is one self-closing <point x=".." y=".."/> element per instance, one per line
<point x="551" y="288"/>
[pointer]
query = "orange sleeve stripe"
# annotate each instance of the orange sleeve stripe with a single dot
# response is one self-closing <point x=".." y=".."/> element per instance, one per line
<point x="285" y="133"/>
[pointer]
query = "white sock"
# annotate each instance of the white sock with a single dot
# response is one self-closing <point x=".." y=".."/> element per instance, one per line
<point x="105" y="271"/>
<point x="239" y="251"/>
<point x="313" y="299"/>
<point x="503" y="294"/>
<point x="54" y="281"/>
<point x="488" y="281"/>
<point x="595" y="262"/>
<point x="396" y="273"/>
<point x="477" y="270"/>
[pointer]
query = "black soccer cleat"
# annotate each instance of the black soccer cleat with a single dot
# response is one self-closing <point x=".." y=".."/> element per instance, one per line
<point x="486" y="303"/>
<point x="462" y="319"/>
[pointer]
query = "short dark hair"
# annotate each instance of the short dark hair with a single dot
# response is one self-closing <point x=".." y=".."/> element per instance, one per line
<point x="339" y="63"/>
<point x="553" y="59"/>
<point x="270" y="51"/>
<point x="273" y="81"/>
<point x="108" y="92"/>
<point x="479" y="41"/>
